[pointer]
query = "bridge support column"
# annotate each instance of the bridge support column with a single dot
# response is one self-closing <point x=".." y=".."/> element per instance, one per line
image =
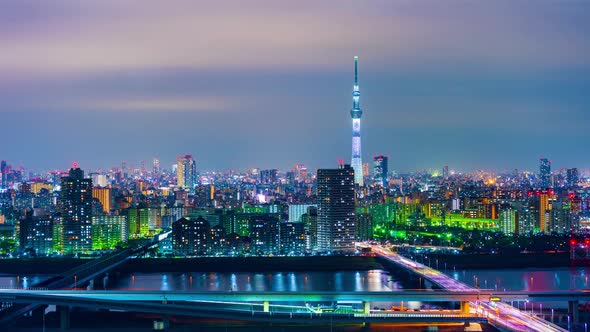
<point x="266" y="306"/>
<point x="464" y="307"/>
<point x="366" y="307"/>
<point x="64" y="317"/>
<point x="574" y="311"/>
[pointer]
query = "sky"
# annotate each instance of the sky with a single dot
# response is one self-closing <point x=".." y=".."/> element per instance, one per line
<point x="267" y="83"/>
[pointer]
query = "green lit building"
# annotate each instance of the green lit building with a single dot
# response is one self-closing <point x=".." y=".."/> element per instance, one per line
<point x="108" y="232"/>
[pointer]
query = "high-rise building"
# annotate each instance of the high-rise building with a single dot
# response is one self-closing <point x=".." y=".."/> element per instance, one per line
<point x="310" y="224"/>
<point x="364" y="226"/>
<point x="572" y="178"/>
<point x="186" y="171"/>
<point x="268" y="176"/>
<point x="508" y="220"/>
<point x="445" y="172"/>
<point x="292" y="238"/>
<point x="3" y="174"/>
<point x="356" y="113"/>
<point x="336" y="209"/>
<point x="36" y="234"/>
<point x="539" y="208"/>
<point x="545" y="172"/>
<point x="366" y="171"/>
<point x="560" y="218"/>
<point x="99" y="180"/>
<point x="156" y="166"/>
<point x="76" y="211"/>
<point x="265" y="234"/>
<point x="138" y="220"/>
<point x="296" y="211"/>
<point x="300" y="172"/>
<point x="191" y="236"/>
<point x="380" y="169"/>
<point x="108" y="231"/>
<point x="105" y="197"/>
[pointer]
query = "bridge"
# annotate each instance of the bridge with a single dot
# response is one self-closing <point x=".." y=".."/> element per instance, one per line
<point x="281" y="307"/>
<point x="76" y="276"/>
<point x="248" y="306"/>
<point x="500" y="314"/>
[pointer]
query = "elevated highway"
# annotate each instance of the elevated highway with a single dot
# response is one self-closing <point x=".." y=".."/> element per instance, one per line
<point x="76" y="276"/>
<point x="501" y="315"/>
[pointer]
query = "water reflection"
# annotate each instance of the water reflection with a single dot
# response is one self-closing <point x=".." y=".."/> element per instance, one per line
<point x="526" y="279"/>
<point x="374" y="280"/>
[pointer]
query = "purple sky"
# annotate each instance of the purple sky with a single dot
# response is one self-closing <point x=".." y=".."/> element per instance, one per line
<point x="471" y="84"/>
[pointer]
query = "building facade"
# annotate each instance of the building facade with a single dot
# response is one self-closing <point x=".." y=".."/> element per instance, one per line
<point x="336" y="209"/>
<point x="76" y="212"/>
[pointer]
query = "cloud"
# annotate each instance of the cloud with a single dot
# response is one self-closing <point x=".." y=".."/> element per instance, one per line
<point x="181" y="104"/>
<point x="64" y="36"/>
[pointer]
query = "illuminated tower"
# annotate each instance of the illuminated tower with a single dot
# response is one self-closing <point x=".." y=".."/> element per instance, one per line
<point x="356" y="113"/>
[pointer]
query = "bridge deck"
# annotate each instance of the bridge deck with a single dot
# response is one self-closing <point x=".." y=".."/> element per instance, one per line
<point x="499" y="314"/>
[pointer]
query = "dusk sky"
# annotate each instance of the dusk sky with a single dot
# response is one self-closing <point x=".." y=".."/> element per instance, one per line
<point x="267" y="83"/>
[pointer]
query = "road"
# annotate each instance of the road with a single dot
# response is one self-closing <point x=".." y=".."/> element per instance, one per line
<point x="499" y="314"/>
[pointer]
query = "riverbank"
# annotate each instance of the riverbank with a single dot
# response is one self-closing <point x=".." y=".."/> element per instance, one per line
<point x="279" y="264"/>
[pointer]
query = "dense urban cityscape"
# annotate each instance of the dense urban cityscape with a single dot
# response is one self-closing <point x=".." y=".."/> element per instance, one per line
<point x="272" y="212"/>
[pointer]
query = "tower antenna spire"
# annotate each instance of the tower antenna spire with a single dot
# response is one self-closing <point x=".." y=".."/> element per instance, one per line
<point x="356" y="113"/>
<point x="356" y="72"/>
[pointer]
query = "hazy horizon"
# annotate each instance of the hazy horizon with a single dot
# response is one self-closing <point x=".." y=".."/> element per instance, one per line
<point x="473" y="85"/>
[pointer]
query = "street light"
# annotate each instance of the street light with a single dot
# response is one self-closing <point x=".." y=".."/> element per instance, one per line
<point x="552" y="315"/>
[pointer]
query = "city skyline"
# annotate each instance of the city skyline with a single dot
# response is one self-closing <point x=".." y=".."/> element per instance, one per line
<point x="435" y="91"/>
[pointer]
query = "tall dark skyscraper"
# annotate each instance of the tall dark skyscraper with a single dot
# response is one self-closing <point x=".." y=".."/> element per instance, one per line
<point x="356" y="113"/>
<point x="545" y="172"/>
<point x="336" y="209"/>
<point x="76" y="211"/>
<point x="572" y="177"/>
<point x="380" y="169"/>
<point x="3" y="175"/>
